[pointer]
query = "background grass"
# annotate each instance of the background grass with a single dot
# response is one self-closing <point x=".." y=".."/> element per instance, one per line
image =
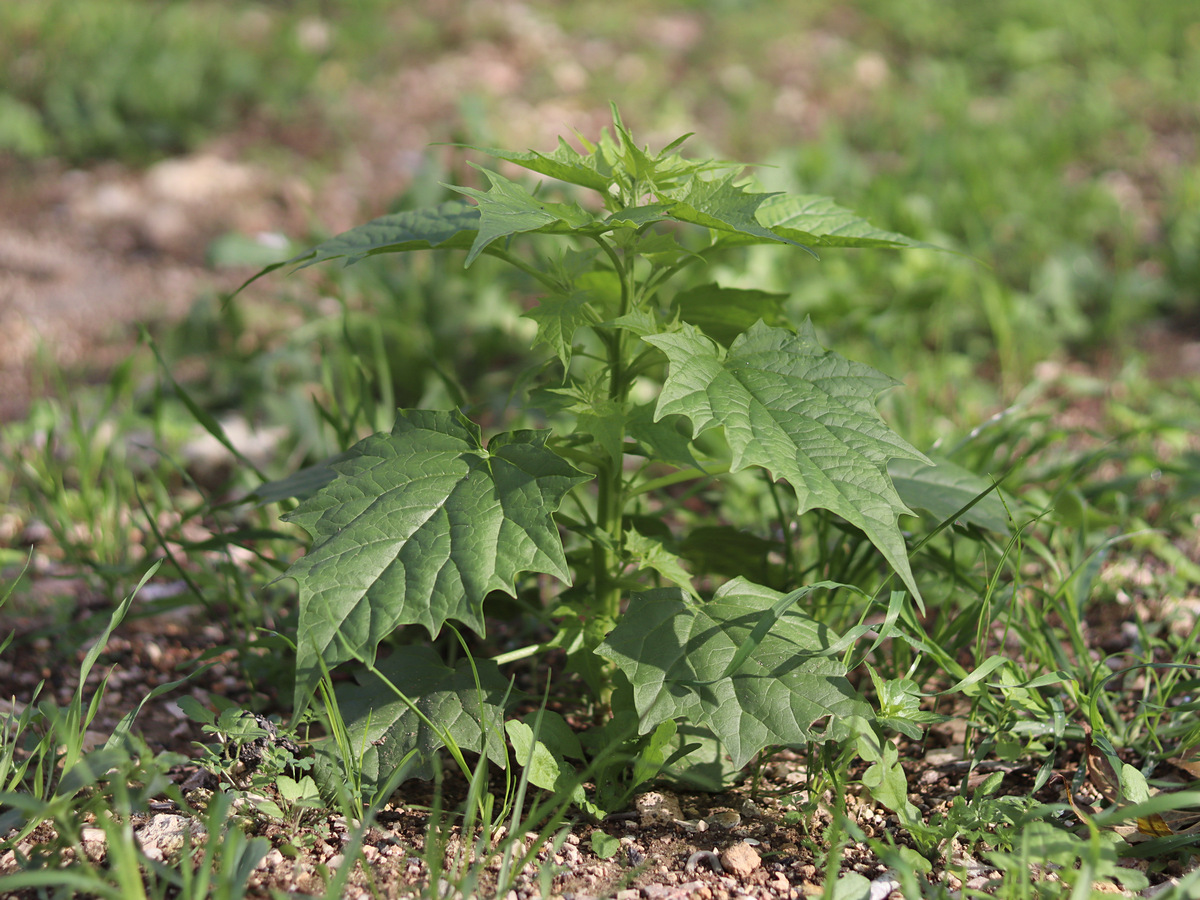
<point x="1051" y="145"/>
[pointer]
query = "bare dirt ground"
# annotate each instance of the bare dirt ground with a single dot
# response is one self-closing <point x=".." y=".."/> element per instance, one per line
<point x="674" y="845"/>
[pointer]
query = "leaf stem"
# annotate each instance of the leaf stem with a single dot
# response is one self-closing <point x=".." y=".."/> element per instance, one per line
<point x="520" y="653"/>
<point x="678" y="477"/>
<point x="789" y="549"/>
<point x="532" y="271"/>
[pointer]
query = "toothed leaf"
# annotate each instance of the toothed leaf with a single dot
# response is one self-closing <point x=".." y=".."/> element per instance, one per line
<point x="801" y="412"/>
<point x="385" y="729"/>
<point x="676" y="652"/>
<point x="724" y="206"/>
<point x="819" y="222"/>
<point x="418" y="527"/>
<point x="508" y="208"/>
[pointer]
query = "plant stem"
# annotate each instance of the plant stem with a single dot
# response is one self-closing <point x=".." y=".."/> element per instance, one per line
<point x="610" y="500"/>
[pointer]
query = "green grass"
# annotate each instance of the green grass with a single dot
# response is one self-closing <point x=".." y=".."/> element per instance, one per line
<point x="139" y="79"/>
<point x="1048" y="143"/>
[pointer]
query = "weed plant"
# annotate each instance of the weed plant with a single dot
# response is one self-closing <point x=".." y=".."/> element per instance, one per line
<point x="418" y="527"/>
<point x="1013" y="587"/>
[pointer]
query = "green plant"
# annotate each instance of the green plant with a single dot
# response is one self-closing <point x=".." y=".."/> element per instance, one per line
<point x="651" y="388"/>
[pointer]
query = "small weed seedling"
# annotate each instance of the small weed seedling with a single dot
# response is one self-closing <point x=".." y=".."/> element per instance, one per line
<point x="651" y="384"/>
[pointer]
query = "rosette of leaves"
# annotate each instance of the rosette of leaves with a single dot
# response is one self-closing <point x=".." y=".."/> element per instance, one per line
<point x="418" y="526"/>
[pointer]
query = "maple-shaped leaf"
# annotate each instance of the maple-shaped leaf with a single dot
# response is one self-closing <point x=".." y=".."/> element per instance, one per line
<point x="676" y="653"/>
<point x="417" y="528"/>
<point x="508" y="208"/>
<point x="801" y="412"/>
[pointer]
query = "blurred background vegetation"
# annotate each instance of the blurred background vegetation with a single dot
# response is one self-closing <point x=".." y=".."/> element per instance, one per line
<point x="1053" y="146"/>
<point x="1054" y="143"/>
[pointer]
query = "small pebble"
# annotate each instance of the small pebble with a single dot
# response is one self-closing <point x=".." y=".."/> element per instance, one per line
<point x="741" y="859"/>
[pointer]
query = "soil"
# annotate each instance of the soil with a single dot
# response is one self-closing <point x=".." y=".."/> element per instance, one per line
<point x="87" y="253"/>
<point x="762" y="838"/>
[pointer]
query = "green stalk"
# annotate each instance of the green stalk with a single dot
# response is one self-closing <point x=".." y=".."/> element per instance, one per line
<point x="610" y="501"/>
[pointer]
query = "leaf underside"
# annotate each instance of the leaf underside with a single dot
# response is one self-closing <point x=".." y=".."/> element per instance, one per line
<point x="674" y="652"/>
<point x="801" y="412"/>
<point x="449" y="225"/>
<point x="386" y="729"/>
<point x="418" y="527"/>
<point x="819" y="222"/>
<point x="945" y="488"/>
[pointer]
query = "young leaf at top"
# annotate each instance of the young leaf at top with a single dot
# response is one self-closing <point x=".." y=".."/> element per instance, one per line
<point x="417" y="528"/>
<point x="565" y="163"/>
<point x="508" y="208"/>
<point x="801" y="412"/>
<point x="725" y="207"/>
<point x="676" y="653"/>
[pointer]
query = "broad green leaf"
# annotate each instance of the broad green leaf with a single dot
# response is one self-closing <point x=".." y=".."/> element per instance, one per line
<point x="697" y="761"/>
<point x="675" y="652"/>
<point x="851" y="886"/>
<point x="803" y="413"/>
<point x="604" y="845"/>
<point x="724" y="313"/>
<point x="385" y="729"/>
<point x="1134" y="788"/>
<point x="417" y="528"/>
<point x="820" y="222"/>
<point x="766" y="622"/>
<point x="553" y="731"/>
<point x="508" y="208"/>
<point x="653" y="755"/>
<point x="724" y="206"/>
<point x="945" y="488"/>
<point x="887" y="784"/>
